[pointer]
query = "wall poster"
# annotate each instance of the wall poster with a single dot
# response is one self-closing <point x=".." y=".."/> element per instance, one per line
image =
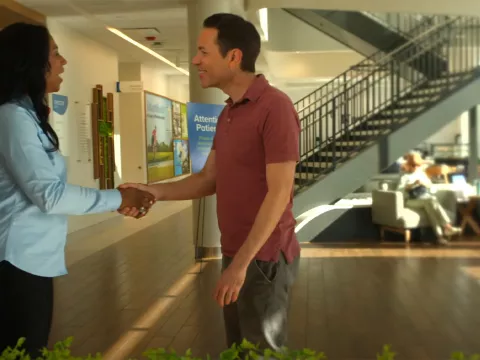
<point x="181" y="156"/>
<point x="159" y="136"/>
<point x="183" y="114"/>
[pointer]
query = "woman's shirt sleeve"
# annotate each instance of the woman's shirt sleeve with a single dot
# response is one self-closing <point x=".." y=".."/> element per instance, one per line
<point x="425" y="179"/>
<point x="24" y="157"/>
<point x="404" y="179"/>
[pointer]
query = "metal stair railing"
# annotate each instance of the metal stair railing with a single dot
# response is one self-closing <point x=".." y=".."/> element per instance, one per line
<point x="367" y="91"/>
<point x="309" y="102"/>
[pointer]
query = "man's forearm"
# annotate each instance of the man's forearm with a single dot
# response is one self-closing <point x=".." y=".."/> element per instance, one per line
<point x="268" y="216"/>
<point x="193" y="187"/>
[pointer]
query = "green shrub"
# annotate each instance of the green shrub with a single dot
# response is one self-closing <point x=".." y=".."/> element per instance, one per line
<point x="61" y="351"/>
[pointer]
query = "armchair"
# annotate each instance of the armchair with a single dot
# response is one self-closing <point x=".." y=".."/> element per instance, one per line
<point x="390" y="213"/>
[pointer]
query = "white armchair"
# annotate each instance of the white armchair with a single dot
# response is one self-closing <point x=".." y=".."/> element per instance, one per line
<point x="390" y="214"/>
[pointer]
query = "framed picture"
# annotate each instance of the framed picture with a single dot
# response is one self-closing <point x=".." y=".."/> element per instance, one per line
<point x="159" y="137"/>
<point x="181" y="157"/>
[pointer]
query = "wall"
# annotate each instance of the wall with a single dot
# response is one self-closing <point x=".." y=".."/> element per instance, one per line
<point x="154" y="80"/>
<point x="132" y="123"/>
<point x="89" y="64"/>
<point x="287" y="33"/>
<point x="446" y="134"/>
<point x="297" y="93"/>
<point x="177" y="88"/>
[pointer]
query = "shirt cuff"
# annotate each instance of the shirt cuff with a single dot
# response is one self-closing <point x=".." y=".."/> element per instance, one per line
<point x="113" y="199"/>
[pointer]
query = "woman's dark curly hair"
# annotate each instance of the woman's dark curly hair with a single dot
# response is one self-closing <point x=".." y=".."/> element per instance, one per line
<point x="24" y="63"/>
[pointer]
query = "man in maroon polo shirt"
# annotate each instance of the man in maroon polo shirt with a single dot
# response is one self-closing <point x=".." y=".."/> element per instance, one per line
<point x="251" y="168"/>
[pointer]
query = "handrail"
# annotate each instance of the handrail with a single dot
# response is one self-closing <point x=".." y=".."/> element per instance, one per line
<point x="377" y="63"/>
<point x="349" y="118"/>
<point x="365" y="61"/>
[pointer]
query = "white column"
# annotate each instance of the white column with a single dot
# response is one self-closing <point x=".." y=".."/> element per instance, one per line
<point x="206" y="233"/>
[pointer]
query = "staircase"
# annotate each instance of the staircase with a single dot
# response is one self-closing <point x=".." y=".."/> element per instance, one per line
<point x="362" y="121"/>
<point x="369" y="33"/>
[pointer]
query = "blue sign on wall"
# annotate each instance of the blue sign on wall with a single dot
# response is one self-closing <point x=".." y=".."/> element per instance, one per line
<point x="202" y="124"/>
<point x="60" y="103"/>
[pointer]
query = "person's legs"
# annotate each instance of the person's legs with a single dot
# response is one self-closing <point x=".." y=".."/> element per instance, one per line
<point x="426" y="205"/>
<point x="443" y="218"/>
<point x="6" y="321"/>
<point x="27" y="309"/>
<point x="262" y="307"/>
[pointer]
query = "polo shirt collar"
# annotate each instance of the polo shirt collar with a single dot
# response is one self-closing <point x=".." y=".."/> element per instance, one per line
<point x="256" y="89"/>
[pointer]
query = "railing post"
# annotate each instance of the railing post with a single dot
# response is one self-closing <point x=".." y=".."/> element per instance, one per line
<point x="391" y="75"/>
<point x="334" y="132"/>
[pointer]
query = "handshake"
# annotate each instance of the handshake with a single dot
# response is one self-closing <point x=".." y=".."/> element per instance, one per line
<point x="137" y="199"/>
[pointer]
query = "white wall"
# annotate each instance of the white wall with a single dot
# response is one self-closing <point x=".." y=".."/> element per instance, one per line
<point x="178" y="88"/>
<point x="297" y="93"/>
<point x="447" y="133"/>
<point x="287" y="33"/>
<point x="174" y="87"/>
<point x="89" y="64"/>
<point x="154" y="80"/>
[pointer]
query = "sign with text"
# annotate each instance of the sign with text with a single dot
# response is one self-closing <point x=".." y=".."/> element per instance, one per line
<point x="59" y="122"/>
<point x="129" y="86"/>
<point x="202" y="124"/>
<point x="60" y="103"/>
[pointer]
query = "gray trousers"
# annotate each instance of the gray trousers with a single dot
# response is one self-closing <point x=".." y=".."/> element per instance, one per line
<point x="260" y="313"/>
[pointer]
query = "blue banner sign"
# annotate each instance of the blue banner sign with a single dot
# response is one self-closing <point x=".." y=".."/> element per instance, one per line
<point x="202" y="124"/>
<point x="60" y="103"/>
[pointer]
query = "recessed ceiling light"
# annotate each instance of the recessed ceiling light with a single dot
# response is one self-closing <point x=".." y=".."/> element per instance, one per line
<point x="147" y="50"/>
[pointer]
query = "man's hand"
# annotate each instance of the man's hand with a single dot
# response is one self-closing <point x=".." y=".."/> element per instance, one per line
<point x="229" y="285"/>
<point x="135" y="202"/>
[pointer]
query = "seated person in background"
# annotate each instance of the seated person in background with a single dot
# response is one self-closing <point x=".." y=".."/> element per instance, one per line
<point x="415" y="185"/>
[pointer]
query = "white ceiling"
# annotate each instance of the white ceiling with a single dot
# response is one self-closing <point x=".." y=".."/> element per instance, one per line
<point x="295" y="57"/>
<point x="136" y="18"/>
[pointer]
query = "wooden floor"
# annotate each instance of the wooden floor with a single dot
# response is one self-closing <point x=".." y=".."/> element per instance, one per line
<point x="145" y="291"/>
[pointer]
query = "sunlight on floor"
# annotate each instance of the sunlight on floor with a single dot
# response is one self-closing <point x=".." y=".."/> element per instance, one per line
<point x="472" y="271"/>
<point x="127" y="342"/>
<point x="456" y="250"/>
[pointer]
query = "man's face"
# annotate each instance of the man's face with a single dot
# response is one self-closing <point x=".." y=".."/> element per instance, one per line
<point x="214" y="69"/>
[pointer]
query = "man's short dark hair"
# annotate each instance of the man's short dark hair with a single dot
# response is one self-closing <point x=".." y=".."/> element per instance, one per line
<point x="234" y="32"/>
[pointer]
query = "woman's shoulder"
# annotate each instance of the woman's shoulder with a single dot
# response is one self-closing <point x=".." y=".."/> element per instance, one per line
<point x="15" y="111"/>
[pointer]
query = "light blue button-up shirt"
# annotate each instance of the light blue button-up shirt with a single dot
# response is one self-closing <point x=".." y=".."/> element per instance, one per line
<point x="35" y="198"/>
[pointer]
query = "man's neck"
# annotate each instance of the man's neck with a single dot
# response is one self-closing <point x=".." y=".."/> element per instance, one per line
<point x="239" y="85"/>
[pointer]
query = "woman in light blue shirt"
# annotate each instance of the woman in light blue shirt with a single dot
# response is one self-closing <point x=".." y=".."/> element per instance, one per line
<point x="35" y="198"/>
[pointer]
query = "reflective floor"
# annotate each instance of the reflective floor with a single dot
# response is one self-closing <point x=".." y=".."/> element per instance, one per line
<point x="144" y="290"/>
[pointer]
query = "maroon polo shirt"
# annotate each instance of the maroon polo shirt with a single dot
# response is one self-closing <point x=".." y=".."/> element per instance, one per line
<point x="260" y="129"/>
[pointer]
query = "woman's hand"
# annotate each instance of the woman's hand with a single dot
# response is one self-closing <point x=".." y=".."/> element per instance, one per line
<point x="138" y="202"/>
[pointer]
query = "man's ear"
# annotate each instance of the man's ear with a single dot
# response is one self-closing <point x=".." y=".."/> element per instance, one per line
<point x="236" y="56"/>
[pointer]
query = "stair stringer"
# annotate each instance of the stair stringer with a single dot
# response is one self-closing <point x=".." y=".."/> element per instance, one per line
<point x="358" y="170"/>
<point x="334" y="31"/>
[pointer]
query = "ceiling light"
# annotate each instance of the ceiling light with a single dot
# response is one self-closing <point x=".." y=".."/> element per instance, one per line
<point x="263" y="16"/>
<point x="146" y="49"/>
